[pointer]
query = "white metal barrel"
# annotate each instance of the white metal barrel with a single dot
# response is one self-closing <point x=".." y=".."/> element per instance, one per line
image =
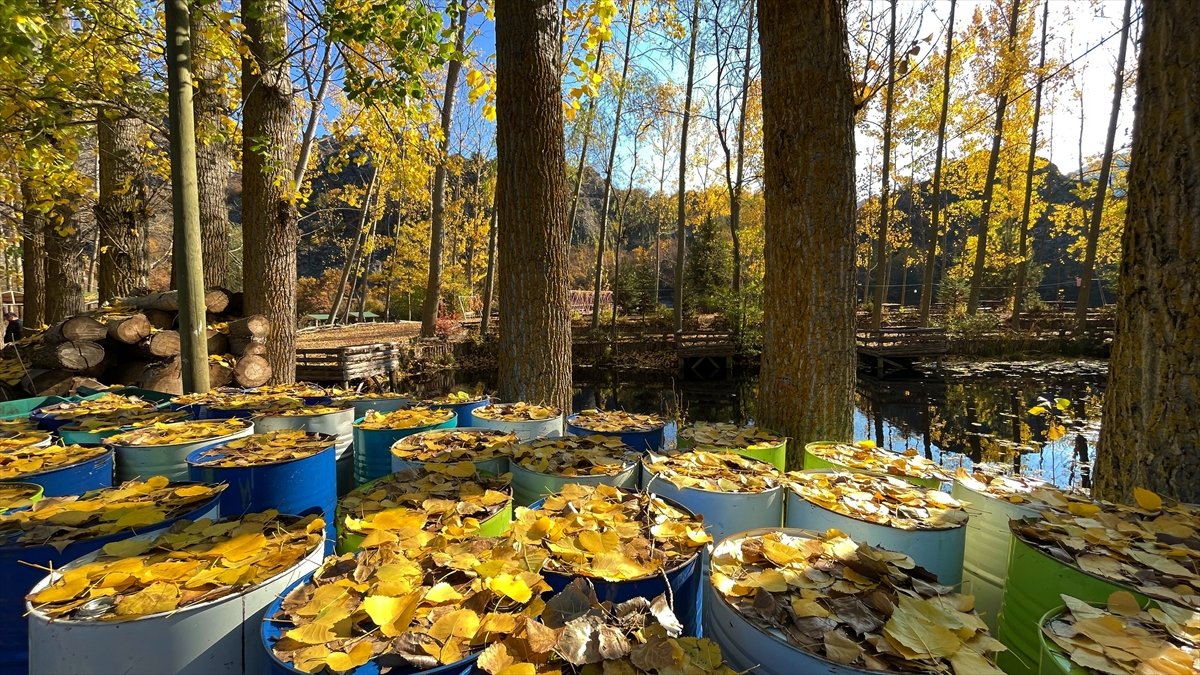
<point x="724" y="512"/>
<point x="339" y="424"/>
<point x="530" y="486"/>
<point x="143" y="461"/>
<point x="526" y="430"/>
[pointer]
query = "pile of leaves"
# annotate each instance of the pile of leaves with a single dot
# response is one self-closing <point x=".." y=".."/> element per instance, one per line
<point x="407" y="608"/>
<point x="864" y="456"/>
<point x="445" y="446"/>
<point x="58" y="521"/>
<point x="453" y="398"/>
<point x="191" y="562"/>
<point x="19" y="440"/>
<point x="271" y="411"/>
<point x="178" y="432"/>
<point x="1152" y="547"/>
<point x="852" y="604"/>
<point x="1016" y="489"/>
<point x="105" y="403"/>
<point x="412" y="507"/>
<point x="212" y="398"/>
<point x="516" y="412"/>
<point x="1124" y="638"/>
<point x="714" y="471"/>
<point x="604" y="532"/>
<point x="16" y="495"/>
<point x="295" y="390"/>
<point x="370" y="396"/>
<point x="576" y="456"/>
<point x="265" y="448"/>
<point x="405" y="418"/>
<point x="577" y="633"/>
<point x="33" y="459"/>
<point x="125" y="419"/>
<point x="616" y="421"/>
<point x="18" y="424"/>
<point x="879" y="499"/>
<point x="707" y="435"/>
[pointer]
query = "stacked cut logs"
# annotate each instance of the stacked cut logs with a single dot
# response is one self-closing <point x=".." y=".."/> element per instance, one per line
<point x="141" y="347"/>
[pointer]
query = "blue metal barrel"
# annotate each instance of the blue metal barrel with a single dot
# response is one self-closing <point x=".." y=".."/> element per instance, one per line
<point x="293" y="486"/>
<point x="271" y="631"/>
<point x="642" y="441"/>
<point x="373" y="448"/>
<point x="22" y="567"/>
<point x="74" y="479"/>
<point x="463" y="410"/>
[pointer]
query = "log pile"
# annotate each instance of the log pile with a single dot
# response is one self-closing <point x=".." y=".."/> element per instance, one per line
<point x="137" y="344"/>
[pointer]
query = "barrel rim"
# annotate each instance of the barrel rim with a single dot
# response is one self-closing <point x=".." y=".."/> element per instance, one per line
<point x="513" y="465"/>
<point x="340" y="411"/>
<point x="37" y="496"/>
<point x="338" y="510"/>
<point x="558" y="416"/>
<point x="569" y="419"/>
<point x="173" y="446"/>
<point x="447" y="424"/>
<point x="792" y="490"/>
<point x="1073" y="565"/>
<point x="62" y="467"/>
<point x="931" y="479"/>
<point x="1032" y="506"/>
<point x="192" y="458"/>
<point x="654" y="476"/>
<point x="429" y="402"/>
<point x="319" y="547"/>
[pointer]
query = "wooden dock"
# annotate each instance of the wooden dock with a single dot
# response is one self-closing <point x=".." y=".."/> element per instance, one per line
<point x="889" y="350"/>
<point x="705" y="353"/>
<point x="355" y="363"/>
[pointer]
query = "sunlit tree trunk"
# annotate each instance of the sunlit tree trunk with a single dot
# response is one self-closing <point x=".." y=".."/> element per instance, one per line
<point x="589" y="119"/>
<point x="213" y="148"/>
<point x="489" y="277"/>
<point x="1151" y="415"/>
<point x="881" y="235"/>
<point x="936" y="212"/>
<point x="121" y="211"/>
<point x="681" y="205"/>
<point x="807" y="383"/>
<point x="535" y="321"/>
<point x="1023" y="245"/>
<point x="33" y="257"/>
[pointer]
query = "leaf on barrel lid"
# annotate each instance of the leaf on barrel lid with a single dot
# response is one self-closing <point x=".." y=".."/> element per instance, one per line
<point x="970" y="662"/>
<point x="656" y="654"/>
<point x="841" y="649"/>
<point x="575" y="600"/>
<point x="579" y="641"/>
<point x="661" y="610"/>
<point x="1147" y="499"/>
<point x="358" y="655"/>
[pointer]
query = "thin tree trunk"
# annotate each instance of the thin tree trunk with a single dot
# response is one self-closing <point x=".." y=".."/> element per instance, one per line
<point x="437" y="226"/>
<point x="931" y="245"/>
<point x="535" y="319"/>
<point x="807" y="382"/>
<point x="735" y="204"/>
<point x="364" y="283"/>
<point x="587" y="136"/>
<point x="881" y="243"/>
<point x="989" y="185"/>
<point x="121" y="217"/>
<point x="489" y="276"/>
<point x="339" y="294"/>
<point x="608" y="171"/>
<point x="1151" y="415"/>
<point x="1093" y="236"/>
<point x="268" y="157"/>
<point x="1023" y="245"/>
<point x="314" y="116"/>
<point x="33" y="257"/>
<point x="681" y="205"/>
<point x="211" y="106"/>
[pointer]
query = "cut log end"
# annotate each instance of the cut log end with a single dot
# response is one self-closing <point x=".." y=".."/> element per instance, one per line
<point x="252" y="371"/>
<point x="129" y="330"/>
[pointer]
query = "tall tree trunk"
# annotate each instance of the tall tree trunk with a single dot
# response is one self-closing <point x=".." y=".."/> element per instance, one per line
<point x="489" y="278"/>
<point x="535" y="319"/>
<point x="351" y="263"/>
<point x="67" y="243"/>
<point x="210" y="102"/>
<point x="807" y="382"/>
<point x="587" y="136"/>
<point x="121" y="211"/>
<point x="608" y="171"/>
<point x="1093" y="235"/>
<point x="33" y="257"/>
<point x="881" y="243"/>
<point x="735" y="204"/>
<point x="1151" y="415"/>
<point x="931" y="245"/>
<point x="268" y="157"/>
<point x="681" y="205"/>
<point x="1023" y="245"/>
<point x="989" y="185"/>
<point x="437" y="226"/>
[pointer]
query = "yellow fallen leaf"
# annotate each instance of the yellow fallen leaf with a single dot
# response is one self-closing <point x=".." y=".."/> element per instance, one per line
<point x="1083" y="510"/>
<point x="442" y="592"/>
<point x="510" y="587"/>
<point x="1147" y="499"/>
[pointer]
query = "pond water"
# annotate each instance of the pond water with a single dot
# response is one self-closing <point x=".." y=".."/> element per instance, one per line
<point x="1041" y="416"/>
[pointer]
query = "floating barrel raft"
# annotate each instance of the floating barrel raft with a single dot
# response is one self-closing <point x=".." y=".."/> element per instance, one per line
<point x="62" y="529"/>
<point x="487" y="450"/>
<point x="927" y="525"/>
<point x="628" y="544"/>
<point x="53" y="416"/>
<point x="545" y="466"/>
<point x="191" y="597"/>
<point x="59" y="469"/>
<point x="461" y="403"/>
<point x="375" y="434"/>
<point x="94" y="429"/>
<point x="1121" y="635"/>
<point x="162" y="450"/>
<point x="753" y="442"/>
<point x="864" y="456"/>
<point x="731" y="492"/>
<point x="527" y="420"/>
<point x="446" y="602"/>
<point x="638" y="431"/>
<point x="790" y="601"/>
<point x="289" y="471"/>
<point x="413" y="507"/>
<point x="19" y="496"/>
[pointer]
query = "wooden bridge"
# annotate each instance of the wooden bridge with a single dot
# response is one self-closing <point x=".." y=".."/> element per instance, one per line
<point x="892" y="349"/>
<point x="705" y="353"/>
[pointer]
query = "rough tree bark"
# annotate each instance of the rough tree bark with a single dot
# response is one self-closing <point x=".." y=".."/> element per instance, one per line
<point x="931" y="245"/>
<point x="1023" y="245"/>
<point x="989" y="185"/>
<point x="437" y="227"/>
<point x="681" y="204"/>
<point x="268" y="153"/>
<point x="881" y="248"/>
<point x="807" y="381"/>
<point x="210" y="101"/>
<point x="1093" y="236"/>
<point x="1151" y="415"/>
<point x="121" y="214"/>
<point x="33" y="256"/>
<point x="535" y="322"/>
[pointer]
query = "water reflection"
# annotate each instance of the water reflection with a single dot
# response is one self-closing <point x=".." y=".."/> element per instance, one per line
<point x="1040" y="416"/>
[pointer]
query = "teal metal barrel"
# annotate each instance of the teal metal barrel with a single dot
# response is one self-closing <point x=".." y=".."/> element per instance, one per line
<point x="373" y="448"/>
